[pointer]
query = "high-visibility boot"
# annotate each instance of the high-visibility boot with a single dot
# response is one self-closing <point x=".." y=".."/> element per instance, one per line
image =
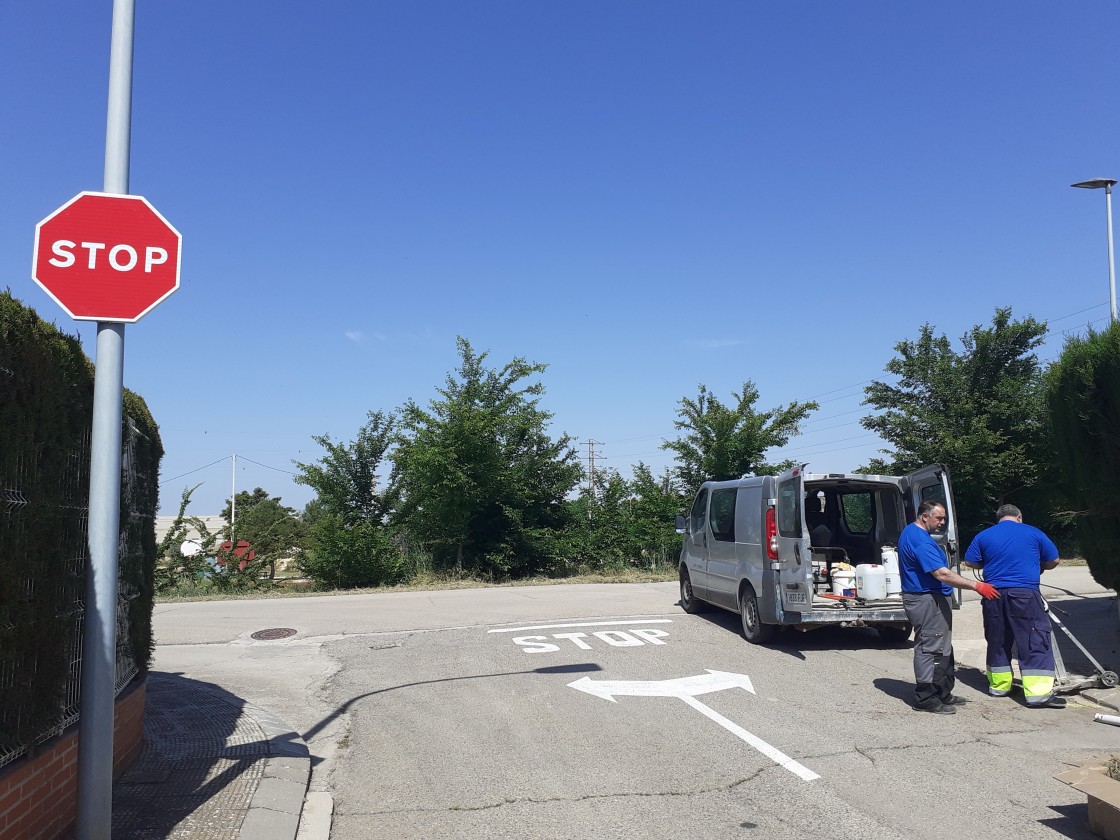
<point x="1038" y="687"/>
<point x="999" y="680"/>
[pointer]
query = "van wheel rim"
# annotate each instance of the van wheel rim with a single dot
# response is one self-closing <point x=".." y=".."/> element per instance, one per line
<point x="750" y="617"/>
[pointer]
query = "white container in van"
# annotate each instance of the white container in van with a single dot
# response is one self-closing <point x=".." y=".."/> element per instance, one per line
<point x="764" y="546"/>
<point x="871" y="582"/>
<point x="894" y="576"/>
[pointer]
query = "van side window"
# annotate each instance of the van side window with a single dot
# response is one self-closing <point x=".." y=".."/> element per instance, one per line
<point x="858" y="512"/>
<point x="723" y="514"/>
<point x="699" y="511"/>
<point x="789" y="508"/>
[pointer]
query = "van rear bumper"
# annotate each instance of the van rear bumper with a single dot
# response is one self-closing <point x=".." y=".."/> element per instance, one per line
<point x="854" y="617"/>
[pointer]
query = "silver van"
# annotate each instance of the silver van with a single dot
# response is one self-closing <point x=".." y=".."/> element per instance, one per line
<point x="775" y="549"/>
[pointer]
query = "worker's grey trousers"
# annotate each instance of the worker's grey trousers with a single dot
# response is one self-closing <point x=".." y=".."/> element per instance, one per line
<point x="932" y="617"/>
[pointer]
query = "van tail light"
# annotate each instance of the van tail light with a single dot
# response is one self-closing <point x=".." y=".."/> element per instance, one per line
<point x="771" y="534"/>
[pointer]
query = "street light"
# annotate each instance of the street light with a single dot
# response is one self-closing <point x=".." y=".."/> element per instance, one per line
<point x="1096" y="184"/>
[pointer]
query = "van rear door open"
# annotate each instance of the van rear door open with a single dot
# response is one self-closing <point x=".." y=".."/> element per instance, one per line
<point x="932" y="483"/>
<point x="795" y="569"/>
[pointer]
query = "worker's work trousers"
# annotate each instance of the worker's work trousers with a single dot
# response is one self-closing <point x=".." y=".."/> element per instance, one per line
<point x="932" y="617"/>
<point x="1018" y="619"/>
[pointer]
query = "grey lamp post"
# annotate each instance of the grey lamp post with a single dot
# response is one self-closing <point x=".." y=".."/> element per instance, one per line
<point x="1096" y="184"/>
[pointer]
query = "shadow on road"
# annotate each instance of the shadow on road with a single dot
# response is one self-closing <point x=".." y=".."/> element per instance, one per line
<point x="1072" y="823"/>
<point x="1094" y="621"/>
<point x="792" y="642"/>
<point x="345" y="707"/>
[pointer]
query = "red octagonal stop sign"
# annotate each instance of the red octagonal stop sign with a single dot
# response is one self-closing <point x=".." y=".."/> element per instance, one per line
<point x="107" y="257"/>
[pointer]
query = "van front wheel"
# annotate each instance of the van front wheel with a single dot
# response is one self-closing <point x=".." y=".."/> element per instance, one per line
<point x="754" y="631"/>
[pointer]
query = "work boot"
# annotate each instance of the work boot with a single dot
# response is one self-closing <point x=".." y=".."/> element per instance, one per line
<point x="1053" y="702"/>
<point x="954" y="700"/>
<point x="938" y="709"/>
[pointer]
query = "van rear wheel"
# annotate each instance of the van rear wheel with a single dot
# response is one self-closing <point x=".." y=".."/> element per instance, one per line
<point x="754" y="631"/>
<point x="689" y="602"/>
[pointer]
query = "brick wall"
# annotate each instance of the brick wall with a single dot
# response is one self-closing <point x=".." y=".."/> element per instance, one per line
<point x="39" y="794"/>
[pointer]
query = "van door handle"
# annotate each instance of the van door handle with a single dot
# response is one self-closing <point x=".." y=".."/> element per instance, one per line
<point x="797" y="553"/>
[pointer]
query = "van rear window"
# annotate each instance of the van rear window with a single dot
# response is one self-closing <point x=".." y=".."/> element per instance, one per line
<point x="789" y="508"/>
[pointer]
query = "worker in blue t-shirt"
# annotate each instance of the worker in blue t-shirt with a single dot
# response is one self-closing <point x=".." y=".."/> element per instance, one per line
<point x="1013" y="557"/>
<point x="927" y="583"/>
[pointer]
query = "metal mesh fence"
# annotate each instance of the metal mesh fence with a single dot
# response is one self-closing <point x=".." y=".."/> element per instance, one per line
<point x="70" y="579"/>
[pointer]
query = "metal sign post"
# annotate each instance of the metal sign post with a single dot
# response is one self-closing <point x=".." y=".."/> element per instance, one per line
<point x="99" y="638"/>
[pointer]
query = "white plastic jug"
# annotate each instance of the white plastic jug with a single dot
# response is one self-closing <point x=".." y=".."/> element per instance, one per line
<point x="844" y="582"/>
<point x="890" y="564"/>
<point x="871" y="582"/>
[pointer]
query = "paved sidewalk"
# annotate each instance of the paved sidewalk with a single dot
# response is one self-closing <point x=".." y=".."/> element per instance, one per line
<point x="213" y="768"/>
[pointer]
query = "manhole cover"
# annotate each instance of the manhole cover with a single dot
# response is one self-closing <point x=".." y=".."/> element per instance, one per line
<point x="273" y="633"/>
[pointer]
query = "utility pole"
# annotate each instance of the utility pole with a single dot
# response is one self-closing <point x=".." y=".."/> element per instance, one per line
<point x="590" y="444"/>
<point x="233" y="504"/>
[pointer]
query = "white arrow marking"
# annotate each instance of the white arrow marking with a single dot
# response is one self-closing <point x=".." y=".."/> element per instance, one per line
<point x="686" y="688"/>
<point x="681" y="687"/>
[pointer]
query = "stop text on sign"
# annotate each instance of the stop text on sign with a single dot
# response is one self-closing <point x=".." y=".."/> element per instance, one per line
<point x="63" y="250"/>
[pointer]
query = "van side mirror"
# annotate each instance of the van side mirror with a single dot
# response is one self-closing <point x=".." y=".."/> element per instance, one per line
<point x="680" y="524"/>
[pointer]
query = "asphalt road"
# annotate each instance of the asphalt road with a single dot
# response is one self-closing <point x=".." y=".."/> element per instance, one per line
<point x="593" y="711"/>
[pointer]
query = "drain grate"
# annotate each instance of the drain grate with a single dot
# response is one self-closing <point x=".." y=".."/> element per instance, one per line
<point x="272" y="634"/>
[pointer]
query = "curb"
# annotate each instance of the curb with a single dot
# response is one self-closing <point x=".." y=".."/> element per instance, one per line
<point x="1109" y="698"/>
<point x="274" y="812"/>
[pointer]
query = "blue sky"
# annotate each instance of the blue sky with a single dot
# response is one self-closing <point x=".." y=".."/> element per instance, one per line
<point x="642" y="195"/>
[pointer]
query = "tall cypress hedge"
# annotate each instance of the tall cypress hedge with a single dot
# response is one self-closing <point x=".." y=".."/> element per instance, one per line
<point x="46" y="409"/>
<point x="1084" y="395"/>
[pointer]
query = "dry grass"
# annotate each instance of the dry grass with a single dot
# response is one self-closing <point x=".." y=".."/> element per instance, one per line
<point x="1113" y="768"/>
<point x="299" y="588"/>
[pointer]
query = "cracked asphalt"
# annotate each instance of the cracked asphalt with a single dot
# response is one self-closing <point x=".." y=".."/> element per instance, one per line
<point x="452" y="715"/>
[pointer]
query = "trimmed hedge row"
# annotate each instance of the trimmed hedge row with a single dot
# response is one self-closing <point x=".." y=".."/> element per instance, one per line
<point x="1085" y="409"/>
<point x="46" y="407"/>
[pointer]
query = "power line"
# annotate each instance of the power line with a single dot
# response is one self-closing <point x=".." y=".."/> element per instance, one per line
<point x="191" y="472"/>
<point x="267" y="467"/>
<point x="830" y="442"/>
<point x="220" y="460"/>
<point x="1049" y="332"/>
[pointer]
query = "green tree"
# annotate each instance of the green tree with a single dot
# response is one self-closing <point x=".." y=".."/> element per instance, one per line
<point x="602" y="535"/>
<point x="174" y="568"/>
<point x="626" y="523"/>
<point x="349" y="542"/>
<point x="482" y="483"/>
<point x="273" y="530"/>
<point x="729" y="441"/>
<point x="1084" y="401"/>
<point x="656" y="504"/>
<point x="981" y="412"/>
<point x="209" y="566"/>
